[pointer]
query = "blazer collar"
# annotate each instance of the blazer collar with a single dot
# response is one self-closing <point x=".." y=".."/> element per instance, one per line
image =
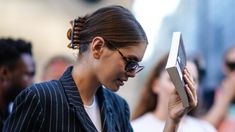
<point x="107" y="119"/>
<point x="75" y="101"/>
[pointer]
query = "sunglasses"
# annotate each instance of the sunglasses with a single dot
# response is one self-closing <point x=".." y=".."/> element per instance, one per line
<point x="230" y="65"/>
<point x="131" y="65"/>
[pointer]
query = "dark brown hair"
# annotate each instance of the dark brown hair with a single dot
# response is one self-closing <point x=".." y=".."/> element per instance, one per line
<point x="148" y="99"/>
<point x="113" y="23"/>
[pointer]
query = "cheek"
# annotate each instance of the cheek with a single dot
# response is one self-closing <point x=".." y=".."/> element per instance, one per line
<point x="167" y="86"/>
<point x="110" y="70"/>
<point x="21" y="80"/>
<point x="114" y="66"/>
<point x="111" y="74"/>
<point x="171" y="86"/>
<point x="18" y="81"/>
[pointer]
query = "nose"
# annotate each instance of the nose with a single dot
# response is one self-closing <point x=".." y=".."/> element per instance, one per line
<point x="131" y="73"/>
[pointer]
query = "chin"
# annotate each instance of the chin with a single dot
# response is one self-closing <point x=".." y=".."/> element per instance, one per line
<point x="113" y="88"/>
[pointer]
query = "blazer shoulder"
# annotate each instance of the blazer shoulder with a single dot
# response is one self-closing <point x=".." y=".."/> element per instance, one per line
<point x="53" y="85"/>
<point x="46" y="91"/>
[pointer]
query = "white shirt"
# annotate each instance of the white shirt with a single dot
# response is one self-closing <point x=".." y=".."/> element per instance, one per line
<point x="150" y="123"/>
<point x="94" y="113"/>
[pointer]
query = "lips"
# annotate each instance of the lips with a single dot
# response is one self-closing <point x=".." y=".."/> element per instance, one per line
<point x="120" y="82"/>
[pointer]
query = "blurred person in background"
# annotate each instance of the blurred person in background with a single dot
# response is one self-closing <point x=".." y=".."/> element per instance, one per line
<point x="55" y="67"/>
<point x="111" y="44"/>
<point x="152" y="110"/>
<point x="17" y="70"/>
<point x="224" y="104"/>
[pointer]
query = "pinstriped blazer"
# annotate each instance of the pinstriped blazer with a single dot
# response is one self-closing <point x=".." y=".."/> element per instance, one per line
<point x="56" y="106"/>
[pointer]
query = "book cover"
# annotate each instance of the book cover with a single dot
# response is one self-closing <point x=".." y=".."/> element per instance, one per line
<point x="175" y="65"/>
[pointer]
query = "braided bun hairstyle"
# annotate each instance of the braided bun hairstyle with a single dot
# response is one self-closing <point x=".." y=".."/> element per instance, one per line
<point x="113" y="23"/>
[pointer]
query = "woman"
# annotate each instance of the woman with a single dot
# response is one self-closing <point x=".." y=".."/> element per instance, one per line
<point x="111" y="43"/>
<point x="152" y="110"/>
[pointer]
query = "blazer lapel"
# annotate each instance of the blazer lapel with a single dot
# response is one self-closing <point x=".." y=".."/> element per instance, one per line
<point x="107" y="120"/>
<point x="75" y="101"/>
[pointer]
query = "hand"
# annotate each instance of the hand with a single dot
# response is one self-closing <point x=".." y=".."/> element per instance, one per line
<point x="175" y="106"/>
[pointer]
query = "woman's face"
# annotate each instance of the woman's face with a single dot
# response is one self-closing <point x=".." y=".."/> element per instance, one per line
<point x="163" y="85"/>
<point x="111" y="68"/>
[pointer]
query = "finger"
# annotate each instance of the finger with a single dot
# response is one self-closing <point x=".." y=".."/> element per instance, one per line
<point x="191" y="86"/>
<point x="189" y="82"/>
<point x="189" y="76"/>
<point x="189" y="92"/>
<point x="192" y="97"/>
<point x="186" y="71"/>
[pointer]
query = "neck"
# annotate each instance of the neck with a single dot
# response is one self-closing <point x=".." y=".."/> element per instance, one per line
<point x="86" y="82"/>
<point x="3" y="104"/>
<point x="161" y="110"/>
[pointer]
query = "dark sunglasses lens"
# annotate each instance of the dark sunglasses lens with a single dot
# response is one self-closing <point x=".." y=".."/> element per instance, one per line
<point x="231" y="65"/>
<point x="131" y="66"/>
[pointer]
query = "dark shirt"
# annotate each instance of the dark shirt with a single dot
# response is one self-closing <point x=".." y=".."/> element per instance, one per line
<point x="3" y="117"/>
<point x="1" y="121"/>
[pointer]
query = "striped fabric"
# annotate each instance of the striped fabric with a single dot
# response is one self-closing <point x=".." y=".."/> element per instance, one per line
<point x="56" y="106"/>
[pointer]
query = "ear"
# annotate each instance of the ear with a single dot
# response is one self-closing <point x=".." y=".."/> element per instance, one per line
<point x="4" y="73"/>
<point x="97" y="46"/>
<point x="155" y="86"/>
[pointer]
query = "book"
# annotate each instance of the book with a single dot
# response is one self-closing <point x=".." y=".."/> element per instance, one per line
<point x="175" y="65"/>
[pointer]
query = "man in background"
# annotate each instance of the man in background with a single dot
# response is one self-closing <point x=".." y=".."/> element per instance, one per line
<point x="17" y="69"/>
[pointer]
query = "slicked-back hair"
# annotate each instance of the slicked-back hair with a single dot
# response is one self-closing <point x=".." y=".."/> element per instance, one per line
<point x="113" y="23"/>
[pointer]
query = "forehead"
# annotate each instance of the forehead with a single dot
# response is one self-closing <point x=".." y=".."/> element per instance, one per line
<point x="28" y="61"/>
<point x="135" y="52"/>
<point x="231" y="55"/>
